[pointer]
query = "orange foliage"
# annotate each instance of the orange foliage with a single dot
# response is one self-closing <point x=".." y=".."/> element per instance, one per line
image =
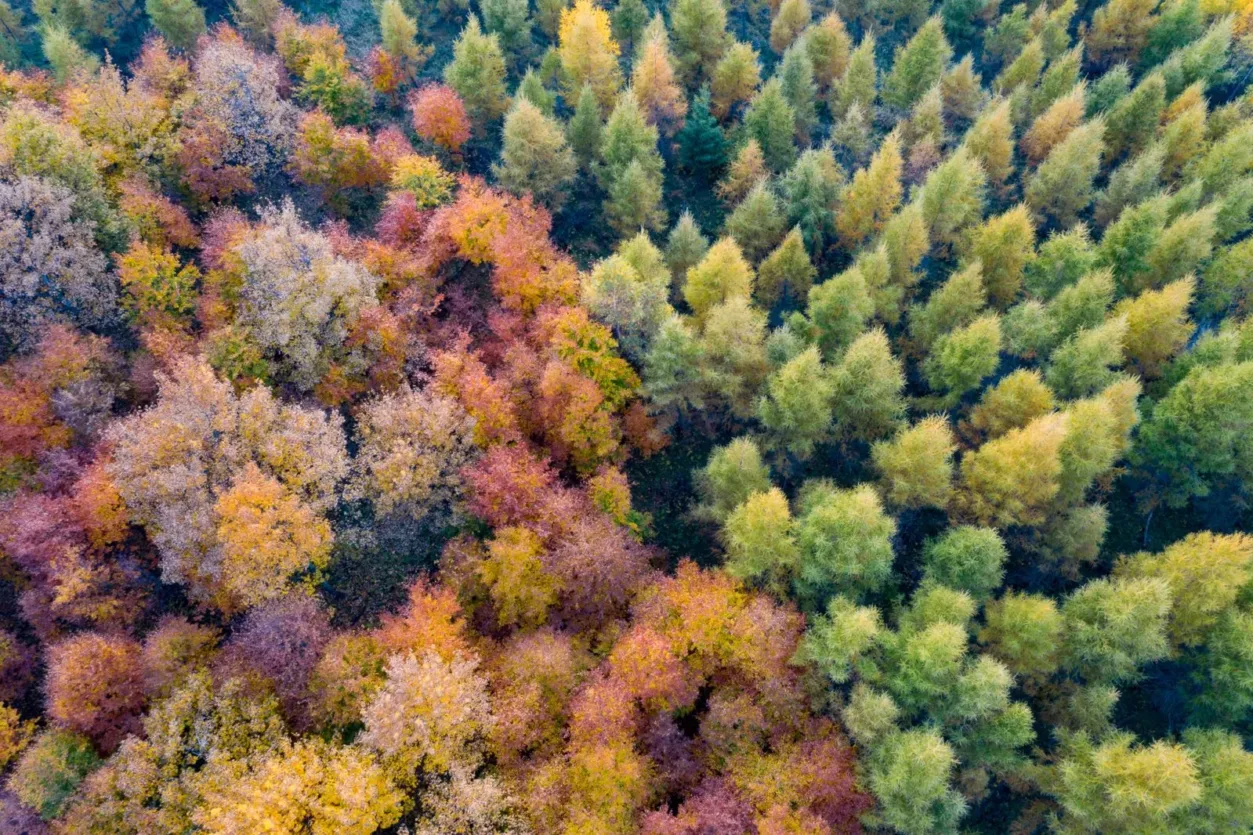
<point x="431" y="621"/>
<point x="439" y="116"/>
<point x="95" y="686"/>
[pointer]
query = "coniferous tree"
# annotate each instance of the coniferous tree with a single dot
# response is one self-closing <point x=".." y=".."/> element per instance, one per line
<point x="771" y="119"/>
<point x="917" y="66"/>
<point x="477" y="73"/>
<point x="702" y="145"/>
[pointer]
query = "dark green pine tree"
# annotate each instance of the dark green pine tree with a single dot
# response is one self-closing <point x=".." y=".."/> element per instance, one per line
<point x="702" y="145"/>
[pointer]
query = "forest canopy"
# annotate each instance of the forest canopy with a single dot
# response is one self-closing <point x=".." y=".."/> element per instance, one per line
<point x="674" y="417"/>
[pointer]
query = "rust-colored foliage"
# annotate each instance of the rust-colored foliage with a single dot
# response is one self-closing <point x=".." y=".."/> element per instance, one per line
<point x="439" y="116"/>
<point x="95" y="685"/>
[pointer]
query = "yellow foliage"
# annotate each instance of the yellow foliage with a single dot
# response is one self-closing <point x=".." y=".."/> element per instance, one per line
<point x="267" y="535"/>
<point x="873" y="195"/>
<point x="1011" y="480"/>
<point x="514" y="575"/>
<point x="589" y="54"/>
<point x="1054" y="125"/>
<point x="424" y="178"/>
<point x="306" y="788"/>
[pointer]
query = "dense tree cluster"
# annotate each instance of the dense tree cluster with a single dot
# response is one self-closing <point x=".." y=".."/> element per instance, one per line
<point x="671" y="417"/>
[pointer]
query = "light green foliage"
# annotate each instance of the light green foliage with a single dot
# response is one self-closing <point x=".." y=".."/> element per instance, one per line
<point x="796" y="77"/>
<point x="966" y="558"/>
<point x="1081" y="305"/>
<point x="1061" y="261"/>
<point x="700" y="35"/>
<point x="811" y="190"/>
<point x="757" y="223"/>
<point x="1203" y="60"/>
<point x="477" y="73"/>
<point x="1061" y="187"/>
<point x="733" y="474"/>
<point x="954" y="304"/>
<point x="870" y="715"/>
<point x="905" y="241"/>
<point x="1132" y="122"/>
<point x="586" y="130"/>
<point x="1024" y="631"/>
<point x="909" y="775"/>
<point x="839" y="309"/>
<point x="1227" y="160"/>
<point x="1221" y="670"/>
<point x="634" y="201"/>
<point x="917" y="65"/>
<point x="534" y="156"/>
<point x="796" y="411"/>
<point x="685" y="247"/>
<point x="65" y="55"/>
<point x="1113" y="627"/>
<point x="180" y="21"/>
<point x="1195" y="438"/>
<point x="758" y="540"/>
<point x="49" y="771"/>
<point x="632" y="304"/>
<point x="1226" y="280"/>
<point x="1136" y="180"/>
<point x="673" y="368"/>
<point x="1126" y="244"/>
<point x="859" y="86"/>
<point x="1086" y="361"/>
<point x="770" y="119"/>
<point x="868" y="381"/>
<point x="510" y="22"/>
<point x="916" y="466"/>
<point x="837" y="639"/>
<point x="628" y="138"/>
<point x="1073" y="538"/>
<point x="1183" y="246"/>
<point x="962" y="358"/>
<point x="845" y="542"/>
<point x="952" y="197"/>
<point x="532" y="88"/>
<point x="1028" y="331"/>
<point x="733" y="342"/>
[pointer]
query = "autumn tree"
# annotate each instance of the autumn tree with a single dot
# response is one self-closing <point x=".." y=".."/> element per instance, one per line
<point x="589" y="52"/>
<point x="298" y="453"/>
<point x="872" y="197"/>
<point x="52" y="269"/>
<point x="653" y="80"/>
<point x="439" y="116"/>
<point x="95" y="687"/>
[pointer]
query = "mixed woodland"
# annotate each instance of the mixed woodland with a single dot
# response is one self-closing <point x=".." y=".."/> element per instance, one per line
<point x="676" y="417"/>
